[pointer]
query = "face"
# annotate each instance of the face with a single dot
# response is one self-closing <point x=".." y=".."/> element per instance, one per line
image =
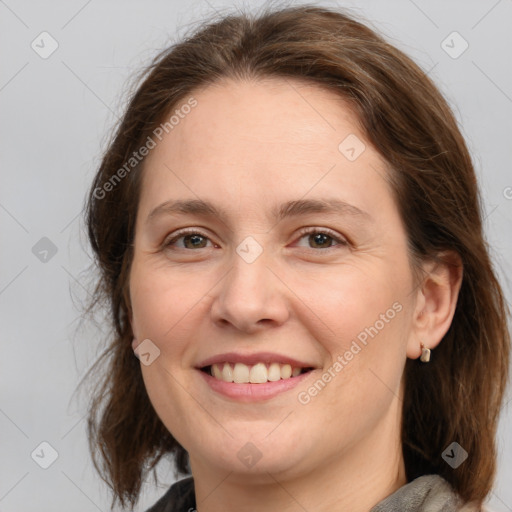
<point x="297" y="264"/>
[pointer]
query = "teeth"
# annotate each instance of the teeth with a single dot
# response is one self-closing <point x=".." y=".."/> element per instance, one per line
<point x="257" y="374"/>
<point x="241" y="373"/>
<point x="286" y="371"/>
<point x="216" y="371"/>
<point x="274" y="372"/>
<point x="227" y="373"/>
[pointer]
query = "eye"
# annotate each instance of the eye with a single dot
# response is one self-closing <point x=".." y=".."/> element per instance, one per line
<point x="322" y="238"/>
<point x="192" y="239"/>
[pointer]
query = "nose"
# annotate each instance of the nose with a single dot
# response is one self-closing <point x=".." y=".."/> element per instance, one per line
<point x="250" y="298"/>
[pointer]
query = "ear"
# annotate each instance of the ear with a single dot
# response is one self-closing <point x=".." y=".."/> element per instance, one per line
<point x="436" y="299"/>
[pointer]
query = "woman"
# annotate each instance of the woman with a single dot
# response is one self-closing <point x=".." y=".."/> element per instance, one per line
<point x="288" y="229"/>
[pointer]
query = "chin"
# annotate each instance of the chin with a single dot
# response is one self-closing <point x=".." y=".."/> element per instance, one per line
<point x="259" y="466"/>
<point x="254" y="453"/>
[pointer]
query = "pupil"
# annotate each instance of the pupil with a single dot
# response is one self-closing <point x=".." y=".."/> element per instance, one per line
<point x="319" y="237"/>
<point x="194" y="239"/>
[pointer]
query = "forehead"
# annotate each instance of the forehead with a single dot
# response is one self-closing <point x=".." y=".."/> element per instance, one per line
<point x="257" y="115"/>
<point x="255" y="141"/>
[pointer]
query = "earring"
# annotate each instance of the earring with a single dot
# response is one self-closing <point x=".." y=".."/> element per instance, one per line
<point x="425" y="354"/>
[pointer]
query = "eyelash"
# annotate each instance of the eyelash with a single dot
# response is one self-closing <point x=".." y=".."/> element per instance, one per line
<point x="303" y="232"/>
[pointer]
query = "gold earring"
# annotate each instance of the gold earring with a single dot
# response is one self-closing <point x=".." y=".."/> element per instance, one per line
<point x="425" y="354"/>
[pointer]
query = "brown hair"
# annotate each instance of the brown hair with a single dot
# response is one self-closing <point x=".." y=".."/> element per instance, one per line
<point x="456" y="397"/>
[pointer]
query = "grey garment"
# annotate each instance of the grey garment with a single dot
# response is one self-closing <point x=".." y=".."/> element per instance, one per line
<point x="429" y="493"/>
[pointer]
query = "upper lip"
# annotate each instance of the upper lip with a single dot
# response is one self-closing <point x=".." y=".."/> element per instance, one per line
<point x="251" y="359"/>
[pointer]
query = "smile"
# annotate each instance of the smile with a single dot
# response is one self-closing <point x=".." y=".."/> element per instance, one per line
<point x="258" y="373"/>
<point x="253" y="377"/>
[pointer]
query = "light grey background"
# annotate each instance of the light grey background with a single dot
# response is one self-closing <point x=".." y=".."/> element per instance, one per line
<point x="55" y="116"/>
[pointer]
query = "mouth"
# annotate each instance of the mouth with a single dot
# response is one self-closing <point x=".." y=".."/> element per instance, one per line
<point x="255" y="377"/>
<point x="259" y="373"/>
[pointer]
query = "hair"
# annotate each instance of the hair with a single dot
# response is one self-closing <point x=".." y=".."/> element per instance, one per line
<point x="458" y="395"/>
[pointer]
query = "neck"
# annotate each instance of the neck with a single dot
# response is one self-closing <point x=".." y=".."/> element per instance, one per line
<point x="355" y="480"/>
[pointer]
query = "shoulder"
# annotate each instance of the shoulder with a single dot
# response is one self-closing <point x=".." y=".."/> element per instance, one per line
<point x="428" y="493"/>
<point x="179" y="498"/>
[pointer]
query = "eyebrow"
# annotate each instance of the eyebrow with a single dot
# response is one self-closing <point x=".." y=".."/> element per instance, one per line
<point x="288" y="209"/>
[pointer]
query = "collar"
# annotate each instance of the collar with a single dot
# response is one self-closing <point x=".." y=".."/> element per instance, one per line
<point x="428" y="493"/>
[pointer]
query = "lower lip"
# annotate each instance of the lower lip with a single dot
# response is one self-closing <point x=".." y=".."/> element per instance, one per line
<point x="253" y="392"/>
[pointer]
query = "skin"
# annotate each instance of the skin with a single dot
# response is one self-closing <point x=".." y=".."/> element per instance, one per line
<point x="247" y="147"/>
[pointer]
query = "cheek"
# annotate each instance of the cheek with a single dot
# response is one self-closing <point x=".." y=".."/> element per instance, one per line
<point x="362" y="322"/>
<point x="174" y="406"/>
<point x="365" y="360"/>
<point x="161" y="300"/>
<point x="354" y="302"/>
